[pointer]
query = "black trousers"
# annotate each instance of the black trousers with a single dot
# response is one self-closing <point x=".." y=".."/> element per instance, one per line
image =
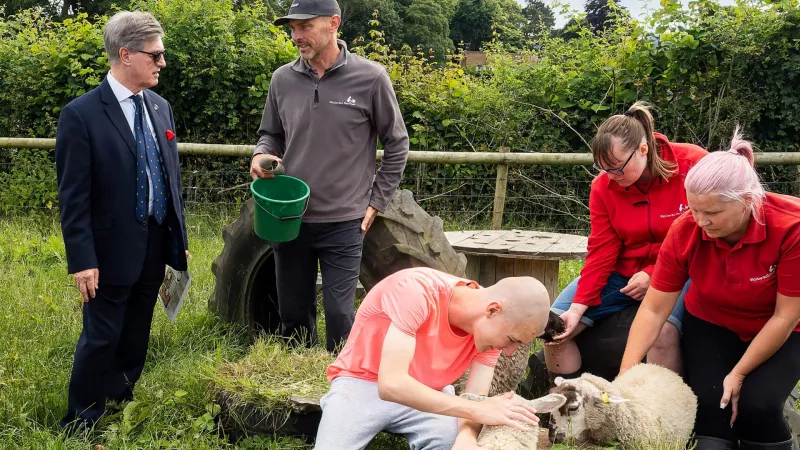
<point x="112" y="348"/>
<point x="710" y="352"/>
<point x="336" y="247"/>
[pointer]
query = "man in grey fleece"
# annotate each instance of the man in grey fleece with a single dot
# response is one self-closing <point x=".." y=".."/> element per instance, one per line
<point x="323" y="117"/>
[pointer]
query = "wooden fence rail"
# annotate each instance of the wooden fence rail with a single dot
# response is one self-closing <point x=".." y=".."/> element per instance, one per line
<point x="503" y="158"/>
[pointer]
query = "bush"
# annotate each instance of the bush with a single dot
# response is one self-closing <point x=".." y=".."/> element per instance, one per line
<point x="706" y="68"/>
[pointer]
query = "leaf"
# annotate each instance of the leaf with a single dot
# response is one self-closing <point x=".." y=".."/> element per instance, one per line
<point x="563" y="103"/>
<point x="130" y="408"/>
<point x="446" y="122"/>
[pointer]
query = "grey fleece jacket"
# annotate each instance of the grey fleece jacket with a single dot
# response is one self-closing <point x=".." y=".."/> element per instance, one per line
<point x="326" y="131"/>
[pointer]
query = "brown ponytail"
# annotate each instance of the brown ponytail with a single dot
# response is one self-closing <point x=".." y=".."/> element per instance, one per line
<point x="632" y="127"/>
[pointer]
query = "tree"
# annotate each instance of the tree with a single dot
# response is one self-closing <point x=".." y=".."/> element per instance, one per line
<point x="539" y="18"/>
<point x="427" y="26"/>
<point x="472" y="23"/>
<point x="601" y="14"/>
<point x="356" y="15"/>
<point x="476" y="22"/>
<point x="11" y="7"/>
<point x="63" y="8"/>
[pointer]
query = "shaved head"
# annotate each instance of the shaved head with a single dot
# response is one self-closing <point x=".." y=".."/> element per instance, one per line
<point x="524" y="299"/>
<point x="510" y="313"/>
<point x="515" y="311"/>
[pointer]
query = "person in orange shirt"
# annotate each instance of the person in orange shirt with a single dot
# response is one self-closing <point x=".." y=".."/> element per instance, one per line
<point x="416" y="332"/>
<point x="632" y="203"/>
<point x="741" y="340"/>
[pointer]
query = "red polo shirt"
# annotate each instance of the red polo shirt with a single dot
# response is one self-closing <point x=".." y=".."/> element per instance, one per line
<point x="735" y="287"/>
<point x="629" y="224"/>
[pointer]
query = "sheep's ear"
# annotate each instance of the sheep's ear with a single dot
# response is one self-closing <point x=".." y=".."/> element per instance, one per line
<point x="604" y="397"/>
<point x="617" y="399"/>
<point x="548" y="403"/>
<point x="558" y="381"/>
<point x="473" y="397"/>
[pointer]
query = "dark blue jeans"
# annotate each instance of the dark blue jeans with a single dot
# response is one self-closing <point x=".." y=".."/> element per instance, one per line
<point x="336" y="248"/>
<point x="612" y="301"/>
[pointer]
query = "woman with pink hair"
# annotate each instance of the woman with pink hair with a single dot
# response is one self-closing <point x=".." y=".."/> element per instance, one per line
<point x="741" y="339"/>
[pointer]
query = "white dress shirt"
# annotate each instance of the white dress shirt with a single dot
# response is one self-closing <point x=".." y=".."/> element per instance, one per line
<point x="124" y="95"/>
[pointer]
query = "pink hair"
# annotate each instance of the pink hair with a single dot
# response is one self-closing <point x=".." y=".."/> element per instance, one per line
<point x="729" y="174"/>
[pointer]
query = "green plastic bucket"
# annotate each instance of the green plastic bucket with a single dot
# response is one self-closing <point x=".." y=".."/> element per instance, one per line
<point x="280" y="203"/>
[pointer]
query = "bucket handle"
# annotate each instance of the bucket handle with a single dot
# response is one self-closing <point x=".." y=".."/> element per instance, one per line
<point x="289" y="217"/>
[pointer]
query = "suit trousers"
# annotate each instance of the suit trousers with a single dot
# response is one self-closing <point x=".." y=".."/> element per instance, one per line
<point x="112" y="347"/>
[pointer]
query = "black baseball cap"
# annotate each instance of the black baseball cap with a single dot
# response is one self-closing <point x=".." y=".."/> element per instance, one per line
<point x="308" y="9"/>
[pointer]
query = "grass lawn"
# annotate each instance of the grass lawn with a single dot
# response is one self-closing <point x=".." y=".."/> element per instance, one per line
<point x="40" y="320"/>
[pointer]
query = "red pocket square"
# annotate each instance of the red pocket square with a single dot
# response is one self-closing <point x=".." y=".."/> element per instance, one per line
<point x="170" y="135"/>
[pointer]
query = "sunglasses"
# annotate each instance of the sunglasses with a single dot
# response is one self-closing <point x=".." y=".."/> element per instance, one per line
<point x="155" y="55"/>
<point x="617" y="171"/>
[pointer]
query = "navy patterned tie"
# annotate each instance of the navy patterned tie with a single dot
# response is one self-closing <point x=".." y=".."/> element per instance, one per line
<point x="147" y="156"/>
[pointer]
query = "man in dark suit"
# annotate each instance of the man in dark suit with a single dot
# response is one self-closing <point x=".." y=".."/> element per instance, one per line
<point x="122" y="215"/>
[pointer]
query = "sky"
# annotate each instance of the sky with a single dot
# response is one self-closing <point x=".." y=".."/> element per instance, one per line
<point x="636" y="7"/>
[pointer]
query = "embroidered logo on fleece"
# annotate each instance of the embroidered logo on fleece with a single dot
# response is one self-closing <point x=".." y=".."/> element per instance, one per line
<point x="349" y="102"/>
<point x="681" y="209"/>
<point x="764" y="277"/>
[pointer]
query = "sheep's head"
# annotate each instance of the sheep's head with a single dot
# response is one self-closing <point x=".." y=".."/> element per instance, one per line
<point x="555" y="326"/>
<point x="583" y="401"/>
<point x="547" y="404"/>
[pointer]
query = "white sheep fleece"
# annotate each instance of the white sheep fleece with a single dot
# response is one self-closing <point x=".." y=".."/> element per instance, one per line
<point x="500" y="437"/>
<point x="659" y="408"/>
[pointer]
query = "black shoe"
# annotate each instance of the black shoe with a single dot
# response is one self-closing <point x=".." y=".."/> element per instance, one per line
<point x="746" y="445"/>
<point x="712" y="443"/>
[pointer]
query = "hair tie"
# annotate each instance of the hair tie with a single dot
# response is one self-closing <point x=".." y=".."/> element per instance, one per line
<point x="629" y="113"/>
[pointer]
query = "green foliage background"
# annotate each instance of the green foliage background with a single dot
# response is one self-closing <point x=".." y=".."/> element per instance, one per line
<point x="706" y="68"/>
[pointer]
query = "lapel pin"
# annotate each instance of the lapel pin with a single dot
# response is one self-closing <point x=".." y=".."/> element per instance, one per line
<point x="155" y="107"/>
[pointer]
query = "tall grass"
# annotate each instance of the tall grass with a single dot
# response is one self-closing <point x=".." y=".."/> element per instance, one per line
<point x="40" y="320"/>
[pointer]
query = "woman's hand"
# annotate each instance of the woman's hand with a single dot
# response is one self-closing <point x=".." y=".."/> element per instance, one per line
<point x="637" y="286"/>
<point x="571" y="320"/>
<point x="731" y="387"/>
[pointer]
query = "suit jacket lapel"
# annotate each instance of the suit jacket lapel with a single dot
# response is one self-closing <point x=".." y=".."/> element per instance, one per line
<point x="116" y="115"/>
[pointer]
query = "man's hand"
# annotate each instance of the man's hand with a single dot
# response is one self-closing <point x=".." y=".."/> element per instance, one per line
<point x="368" y="218"/>
<point x="505" y="410"/>
<point x="637" y="286"/>
<point x="87" y="282"/>
<point x="188" y="255"/>
<point x="255" y="169"/>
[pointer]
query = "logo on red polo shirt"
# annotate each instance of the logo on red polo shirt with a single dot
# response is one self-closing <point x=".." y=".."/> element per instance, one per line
<point x="764" y="277"/>
<point x="681" y="209"/>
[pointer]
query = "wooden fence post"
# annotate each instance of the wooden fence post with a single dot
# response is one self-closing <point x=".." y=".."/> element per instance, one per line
<point x="500" y="193"/>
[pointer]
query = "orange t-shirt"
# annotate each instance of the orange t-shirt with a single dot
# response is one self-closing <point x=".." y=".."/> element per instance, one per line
<point x="416" y="301"/>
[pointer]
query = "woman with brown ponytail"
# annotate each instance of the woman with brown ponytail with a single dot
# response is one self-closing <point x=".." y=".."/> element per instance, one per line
<point x="633" y="201"/>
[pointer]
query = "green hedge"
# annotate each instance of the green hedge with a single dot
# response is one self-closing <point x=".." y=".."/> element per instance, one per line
<point x="705" y="66"/>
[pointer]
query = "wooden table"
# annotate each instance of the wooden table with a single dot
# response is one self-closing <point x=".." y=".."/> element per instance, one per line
<point x="495" y="254"/>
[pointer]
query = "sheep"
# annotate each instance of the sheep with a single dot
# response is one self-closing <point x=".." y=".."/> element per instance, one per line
<point x="501" y="437"/>
<point x="648" y="405"/>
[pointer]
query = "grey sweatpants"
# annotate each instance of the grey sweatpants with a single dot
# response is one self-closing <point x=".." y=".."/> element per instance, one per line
<point x="352" y="414"/>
